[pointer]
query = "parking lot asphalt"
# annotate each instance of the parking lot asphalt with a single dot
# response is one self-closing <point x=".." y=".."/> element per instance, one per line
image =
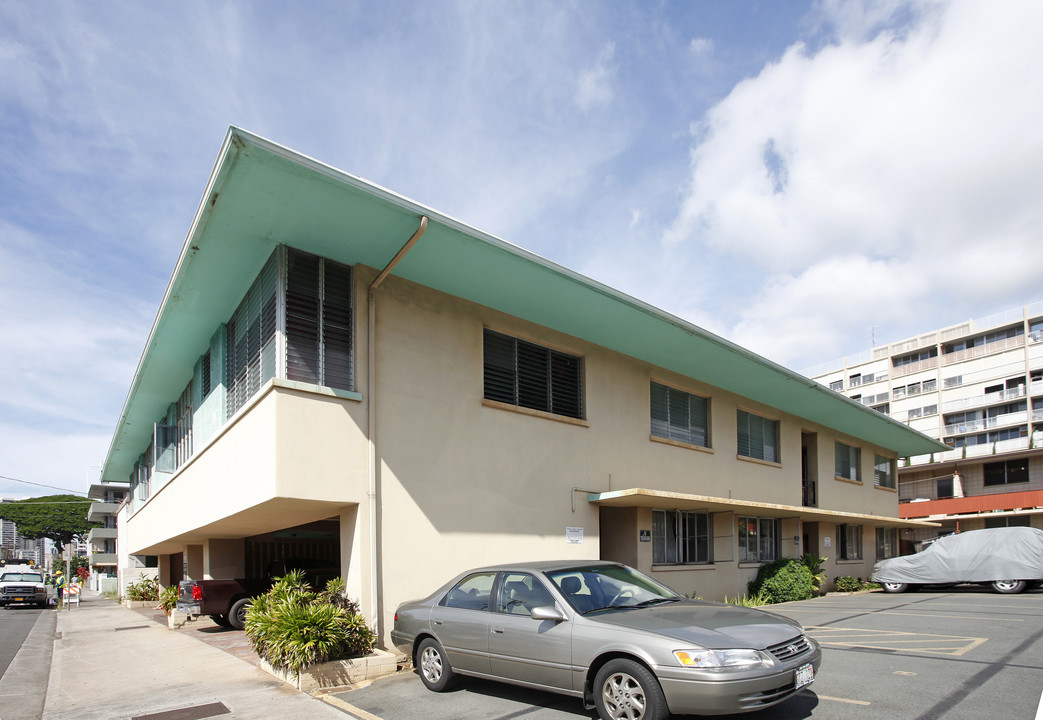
<point x="965" y="653"/>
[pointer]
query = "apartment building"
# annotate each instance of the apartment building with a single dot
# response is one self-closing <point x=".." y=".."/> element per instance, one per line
<point x="978" y="387"/>
<point x="340" y="374"/>
<point x="101" y="541"/>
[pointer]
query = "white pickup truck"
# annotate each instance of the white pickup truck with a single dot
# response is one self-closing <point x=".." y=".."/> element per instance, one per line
<point x="22" y="587"/>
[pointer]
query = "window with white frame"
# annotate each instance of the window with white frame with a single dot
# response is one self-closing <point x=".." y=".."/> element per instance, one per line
<point x="677" y="415"/>
<point x="757" y="437"/>
<point x="849" y="542"/>
<point x="758" y="539"/>
<point x="886" y="543"/>
<point x="680" y="537"/>
<point x="848" y="459"/>
<point x="883" y="471"/>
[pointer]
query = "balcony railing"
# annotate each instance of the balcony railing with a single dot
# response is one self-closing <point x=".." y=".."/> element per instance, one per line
<point x="103" y="559"/>
<point x="910" y="368"/>
<point x="972" y="505"/>
<point x="975" y="451"/>
<point x="972" y="426"/>
<point x="983" y="350"/>
<point x="993" y="398"/>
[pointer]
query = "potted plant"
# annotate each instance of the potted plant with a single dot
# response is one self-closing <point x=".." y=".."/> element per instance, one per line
<point x="168" y="603"/>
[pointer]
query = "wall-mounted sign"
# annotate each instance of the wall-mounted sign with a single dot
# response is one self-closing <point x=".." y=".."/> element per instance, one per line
<point x="646" y="536"/>
<point x="574" y="535"/>
<point x="825" y="540"/>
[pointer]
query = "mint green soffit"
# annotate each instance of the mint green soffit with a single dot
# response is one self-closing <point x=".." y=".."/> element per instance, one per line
<point x="261" y="195"/>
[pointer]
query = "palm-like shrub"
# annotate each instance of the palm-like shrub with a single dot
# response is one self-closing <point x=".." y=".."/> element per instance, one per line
<point x="292" y="626"/>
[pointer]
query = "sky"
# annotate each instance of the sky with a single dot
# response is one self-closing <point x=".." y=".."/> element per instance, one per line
<point x="800" y="177"/>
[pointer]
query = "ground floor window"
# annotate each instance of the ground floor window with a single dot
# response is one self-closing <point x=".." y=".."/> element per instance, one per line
<point x="680" y="536"/>
<point x="886" y="543"/>
<point x="849" y="542"/>
<point x="758" y="539"/>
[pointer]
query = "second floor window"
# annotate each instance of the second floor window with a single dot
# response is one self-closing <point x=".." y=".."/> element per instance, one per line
<point x="884" y="472"/>
<point x="758" y="437"/>
<point x="848" y="459"/>
<point x="532" y="376"/>
<point x="677" y="415"/>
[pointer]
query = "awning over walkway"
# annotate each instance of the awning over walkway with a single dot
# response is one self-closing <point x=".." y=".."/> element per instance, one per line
<point x="643" y="497"/>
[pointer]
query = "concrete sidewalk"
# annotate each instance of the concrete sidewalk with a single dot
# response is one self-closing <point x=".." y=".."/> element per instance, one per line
<point x="111" y="662"/>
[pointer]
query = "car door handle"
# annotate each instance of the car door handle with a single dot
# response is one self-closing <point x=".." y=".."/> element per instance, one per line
<point x="498" y="630"/>
<point x="436" y="622"/>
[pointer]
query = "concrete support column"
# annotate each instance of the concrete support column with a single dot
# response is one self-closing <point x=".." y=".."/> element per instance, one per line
<point x="224" y="559"/>
<point x="194" y="562"/>
<point x="351" y="556"/>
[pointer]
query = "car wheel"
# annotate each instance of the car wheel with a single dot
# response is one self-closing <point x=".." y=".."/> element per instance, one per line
<point x="435" y="671"/>
<point x="237" y="613"/>
<point x="1008" y="586"/>
<point x="627" y="690"/>
<point x="893" y="587"/>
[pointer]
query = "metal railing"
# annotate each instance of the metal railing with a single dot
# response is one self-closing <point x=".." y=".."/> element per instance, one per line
<point x="972" y="426"/>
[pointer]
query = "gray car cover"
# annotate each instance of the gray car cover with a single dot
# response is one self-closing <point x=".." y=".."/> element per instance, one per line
<point x="1014" y="553"/>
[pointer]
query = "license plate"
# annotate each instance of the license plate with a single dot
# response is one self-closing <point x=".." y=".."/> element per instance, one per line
<point x="805" y="675"/>
<point x="19" y="599"/>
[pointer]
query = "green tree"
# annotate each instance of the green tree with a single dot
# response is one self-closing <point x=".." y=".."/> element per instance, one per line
<point x="58" y="517"/>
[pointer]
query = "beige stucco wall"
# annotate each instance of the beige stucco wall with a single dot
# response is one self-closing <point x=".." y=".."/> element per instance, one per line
<point x="465" y="483"/>
<point x="291" y="456"/>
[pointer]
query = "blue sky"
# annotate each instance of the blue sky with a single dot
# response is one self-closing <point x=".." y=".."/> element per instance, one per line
<point x="798" y="177"/>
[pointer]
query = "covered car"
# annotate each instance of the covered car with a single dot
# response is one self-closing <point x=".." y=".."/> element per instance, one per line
<point x="1008" y="559"/>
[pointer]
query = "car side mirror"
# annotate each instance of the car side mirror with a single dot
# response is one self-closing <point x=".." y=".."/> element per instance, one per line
<point x="547" y="612"/>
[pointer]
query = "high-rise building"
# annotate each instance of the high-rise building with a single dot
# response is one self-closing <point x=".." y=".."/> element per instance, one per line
<point x="978" y="387"/>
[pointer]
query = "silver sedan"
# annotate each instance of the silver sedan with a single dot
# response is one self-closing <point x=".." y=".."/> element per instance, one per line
<point x="607" y="634"/>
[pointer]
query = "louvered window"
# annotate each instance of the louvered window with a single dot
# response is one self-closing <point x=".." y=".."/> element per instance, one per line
<point x="883" y="472"/>
<point x="204" y="375"/>
<point x="319" y="321"/>
<point x="677" y="415"/>
<point x="758" y="437"/>
<point x="848" y="459"/>
<point x="251" y="339"/>
<point x="531" y="376"/>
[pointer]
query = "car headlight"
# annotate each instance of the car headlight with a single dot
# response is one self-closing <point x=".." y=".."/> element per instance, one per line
<point x="730" y="658"/>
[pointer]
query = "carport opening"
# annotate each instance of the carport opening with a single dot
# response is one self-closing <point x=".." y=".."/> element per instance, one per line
<point x="315" y="544"/>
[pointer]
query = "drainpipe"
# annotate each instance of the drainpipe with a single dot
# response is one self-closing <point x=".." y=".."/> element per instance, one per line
<point x="371" y="398"/>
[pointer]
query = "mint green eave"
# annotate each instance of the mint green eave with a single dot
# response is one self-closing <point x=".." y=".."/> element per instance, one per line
<point x="261" y="195"/>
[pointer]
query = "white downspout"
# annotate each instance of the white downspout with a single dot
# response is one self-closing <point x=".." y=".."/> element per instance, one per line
<point x="371" y="404"/>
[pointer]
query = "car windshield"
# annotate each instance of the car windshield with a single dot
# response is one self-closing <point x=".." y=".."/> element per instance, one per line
<point x="21" y="577"/>
<point x="595" y="588"/>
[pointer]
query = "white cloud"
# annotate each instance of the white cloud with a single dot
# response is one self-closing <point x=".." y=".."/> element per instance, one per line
<point x="701" y="47"/>
<point x="594" y="87"/>
<point x="910" y="151"/>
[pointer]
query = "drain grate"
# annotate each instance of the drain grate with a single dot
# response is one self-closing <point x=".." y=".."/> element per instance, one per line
<point x="196" y="712"/>
<point x="131" y="627"/>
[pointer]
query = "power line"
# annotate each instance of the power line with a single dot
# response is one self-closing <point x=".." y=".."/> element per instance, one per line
<point x="53" y="487"/>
